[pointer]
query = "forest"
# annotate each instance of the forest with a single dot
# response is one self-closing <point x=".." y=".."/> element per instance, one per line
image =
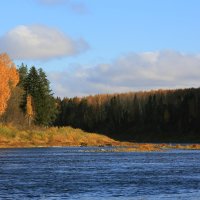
<point x="147" y="116"/>
<point x="154" y="116"/>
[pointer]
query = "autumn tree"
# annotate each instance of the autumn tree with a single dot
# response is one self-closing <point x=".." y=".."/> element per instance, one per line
<point x="8" y="79"/>
<point x="29" y="109"/>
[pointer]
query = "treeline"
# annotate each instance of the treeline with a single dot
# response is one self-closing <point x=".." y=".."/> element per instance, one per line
<point x="25" y="95"/>
<point x="163" y="115"/>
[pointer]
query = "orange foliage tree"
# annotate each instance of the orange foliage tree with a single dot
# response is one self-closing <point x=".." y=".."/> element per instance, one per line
<point x="29" y="109"/>
<point x="9" y="78"/>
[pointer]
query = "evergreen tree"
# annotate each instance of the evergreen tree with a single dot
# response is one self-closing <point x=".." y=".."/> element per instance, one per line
<point x="23" y="72"/>
<point x="36" y="84"/>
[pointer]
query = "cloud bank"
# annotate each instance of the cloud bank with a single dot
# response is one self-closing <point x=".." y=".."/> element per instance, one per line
<point x="131" y="72"/>
<point x="39" y="42"/>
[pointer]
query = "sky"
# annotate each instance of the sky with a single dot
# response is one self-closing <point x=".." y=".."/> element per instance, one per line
<point x="89" y="47"/>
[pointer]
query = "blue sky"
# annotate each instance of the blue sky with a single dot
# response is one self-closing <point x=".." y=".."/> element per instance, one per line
<point x="91" y="47"/>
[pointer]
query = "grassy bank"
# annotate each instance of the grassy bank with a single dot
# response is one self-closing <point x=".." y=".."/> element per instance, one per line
<point x="66" y="136"/>
<point x="11" y="137"/>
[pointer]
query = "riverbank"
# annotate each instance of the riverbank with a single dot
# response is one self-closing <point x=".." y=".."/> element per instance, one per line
<point x="12" y="137"/>
<point x="45" y="137"/>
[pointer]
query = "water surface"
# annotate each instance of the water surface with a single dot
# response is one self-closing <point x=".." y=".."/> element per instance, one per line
<point x="77" y="173"/>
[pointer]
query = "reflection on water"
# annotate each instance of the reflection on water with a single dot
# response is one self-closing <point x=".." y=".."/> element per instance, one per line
<point x="77" y="173"/>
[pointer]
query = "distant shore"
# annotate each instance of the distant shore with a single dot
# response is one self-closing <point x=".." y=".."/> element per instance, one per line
<point x="11" y="137"/>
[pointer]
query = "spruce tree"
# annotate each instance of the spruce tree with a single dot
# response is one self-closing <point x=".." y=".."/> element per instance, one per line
<point x="23" y="72"/>
<point x="46" y="105"/>
<point x="37" y="85"/>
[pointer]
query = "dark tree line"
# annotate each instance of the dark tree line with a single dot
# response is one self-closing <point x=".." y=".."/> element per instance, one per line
<point x="163" y="115"/>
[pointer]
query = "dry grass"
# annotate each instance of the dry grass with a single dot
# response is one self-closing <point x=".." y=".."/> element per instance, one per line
<point x="67" y="136"/>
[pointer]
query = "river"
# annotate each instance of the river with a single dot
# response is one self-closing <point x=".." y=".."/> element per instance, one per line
<point x="81" y="173"/>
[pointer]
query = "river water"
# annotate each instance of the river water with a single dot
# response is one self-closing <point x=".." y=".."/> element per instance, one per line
<point x="82" y="173"/>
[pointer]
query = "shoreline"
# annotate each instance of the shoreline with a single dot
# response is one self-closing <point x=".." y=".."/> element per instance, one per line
<point x="134" y="147"/>
<point x="38" y="137"/>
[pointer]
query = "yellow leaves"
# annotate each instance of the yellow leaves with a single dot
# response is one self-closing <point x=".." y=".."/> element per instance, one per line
<point x="8" y="79"/>
<point x="29" y="107"/>
<point x="14" y="76"/>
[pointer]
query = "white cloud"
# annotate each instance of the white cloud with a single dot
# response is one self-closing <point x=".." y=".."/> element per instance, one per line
<point x="131" y="72"/>
<point x="39" y="42"/>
